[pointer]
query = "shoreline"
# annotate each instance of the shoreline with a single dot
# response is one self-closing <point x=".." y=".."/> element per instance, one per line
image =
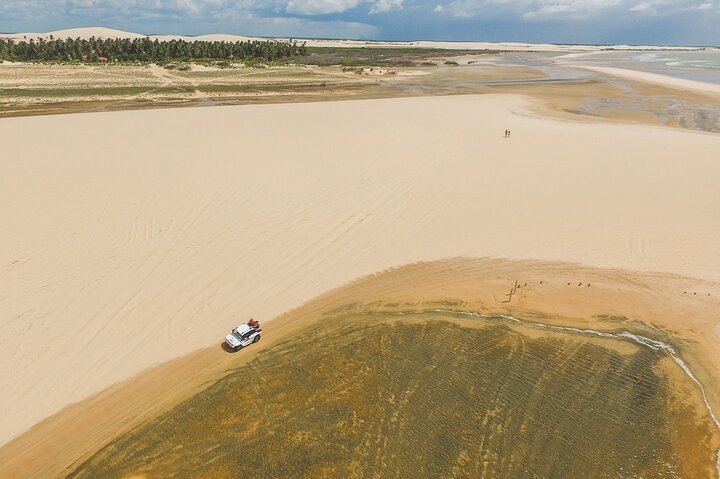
<point x="655" y="79"/>
<point x="565" y="91"/>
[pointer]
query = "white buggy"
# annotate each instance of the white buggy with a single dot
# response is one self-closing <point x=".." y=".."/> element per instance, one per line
<point x="243" y="335"/>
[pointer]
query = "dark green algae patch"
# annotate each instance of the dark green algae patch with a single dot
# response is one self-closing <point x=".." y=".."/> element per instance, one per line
<point x="424" y="398"/>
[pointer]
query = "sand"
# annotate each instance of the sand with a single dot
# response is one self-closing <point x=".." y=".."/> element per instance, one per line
<point x="133" y="238"/>
<point x="656" y="79"/>
<point x="499" y="46"/>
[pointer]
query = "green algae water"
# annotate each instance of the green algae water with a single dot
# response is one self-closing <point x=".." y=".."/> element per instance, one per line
<point x="425" y="397"/>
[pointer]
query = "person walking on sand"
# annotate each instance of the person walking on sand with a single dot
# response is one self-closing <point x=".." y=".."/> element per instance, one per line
<point x="506" y="133"/>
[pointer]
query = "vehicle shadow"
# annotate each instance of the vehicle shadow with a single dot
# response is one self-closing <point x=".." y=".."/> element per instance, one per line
<point x="227" y="348"/>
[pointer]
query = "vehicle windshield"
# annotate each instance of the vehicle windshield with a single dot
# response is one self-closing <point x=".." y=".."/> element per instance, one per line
<point x="237" y="335"/>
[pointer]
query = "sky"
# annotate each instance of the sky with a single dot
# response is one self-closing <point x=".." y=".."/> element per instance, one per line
<point x="657" y="22"/>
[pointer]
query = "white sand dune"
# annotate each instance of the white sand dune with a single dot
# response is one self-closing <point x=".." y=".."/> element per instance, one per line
<point x="501" y="46"/>
<point x="135" y="237"/>
<point x="86" y="32"/>
<point x="215" y="37"/>
<point x="102" y="32"/>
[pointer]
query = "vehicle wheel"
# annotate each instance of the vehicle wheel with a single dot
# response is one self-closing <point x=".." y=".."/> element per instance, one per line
<point x="256" y="339"/>
<point x="238" y="348"/>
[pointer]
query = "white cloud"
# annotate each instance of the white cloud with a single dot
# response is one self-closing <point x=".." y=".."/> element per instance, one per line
<point x="320" y="7"/>
<point x="302" y="27"/>
<point x="386" y="6"/>
<point x="576" y="9"/>
<point x="570" y="8"/>
<point x="189" y="6"/>
<point x="355" y="18"/>
<point x="204" y="9"/>
<point x="248" y="17"/>
<point x="658" y="7"/>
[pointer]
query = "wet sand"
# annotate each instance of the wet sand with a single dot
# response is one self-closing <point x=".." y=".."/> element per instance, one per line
<point x="567" y="91"/>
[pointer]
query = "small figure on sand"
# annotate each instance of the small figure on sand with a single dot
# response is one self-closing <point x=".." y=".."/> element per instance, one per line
<point x="507" y="133"/>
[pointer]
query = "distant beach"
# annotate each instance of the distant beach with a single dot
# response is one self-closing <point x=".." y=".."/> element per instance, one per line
<point x="696" y="65"/>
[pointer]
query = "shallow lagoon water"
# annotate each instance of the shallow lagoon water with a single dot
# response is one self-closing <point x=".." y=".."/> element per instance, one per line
<point x="699" y="65"/>
<point x="366" y="395"/>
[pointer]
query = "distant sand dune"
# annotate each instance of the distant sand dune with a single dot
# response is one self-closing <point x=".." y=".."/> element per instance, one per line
<point x="102" y="32"/>
<point x="133" y="238"/>
<point x="88" y="32"/>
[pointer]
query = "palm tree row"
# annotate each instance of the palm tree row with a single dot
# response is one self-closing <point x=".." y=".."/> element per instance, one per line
<point x="144" y="49"/>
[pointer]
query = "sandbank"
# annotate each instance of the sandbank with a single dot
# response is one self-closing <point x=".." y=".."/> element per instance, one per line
<point x="656" y="79"/>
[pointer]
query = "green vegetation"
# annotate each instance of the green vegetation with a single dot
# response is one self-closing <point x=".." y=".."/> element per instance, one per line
<point x="87" y="92"/>
<point x="425" y="396"/>
<point x="386" y="57"/>
<point x="144" y="50"/>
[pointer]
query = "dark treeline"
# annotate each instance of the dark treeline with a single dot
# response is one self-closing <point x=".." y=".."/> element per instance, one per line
<point x="144" y="50"/>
